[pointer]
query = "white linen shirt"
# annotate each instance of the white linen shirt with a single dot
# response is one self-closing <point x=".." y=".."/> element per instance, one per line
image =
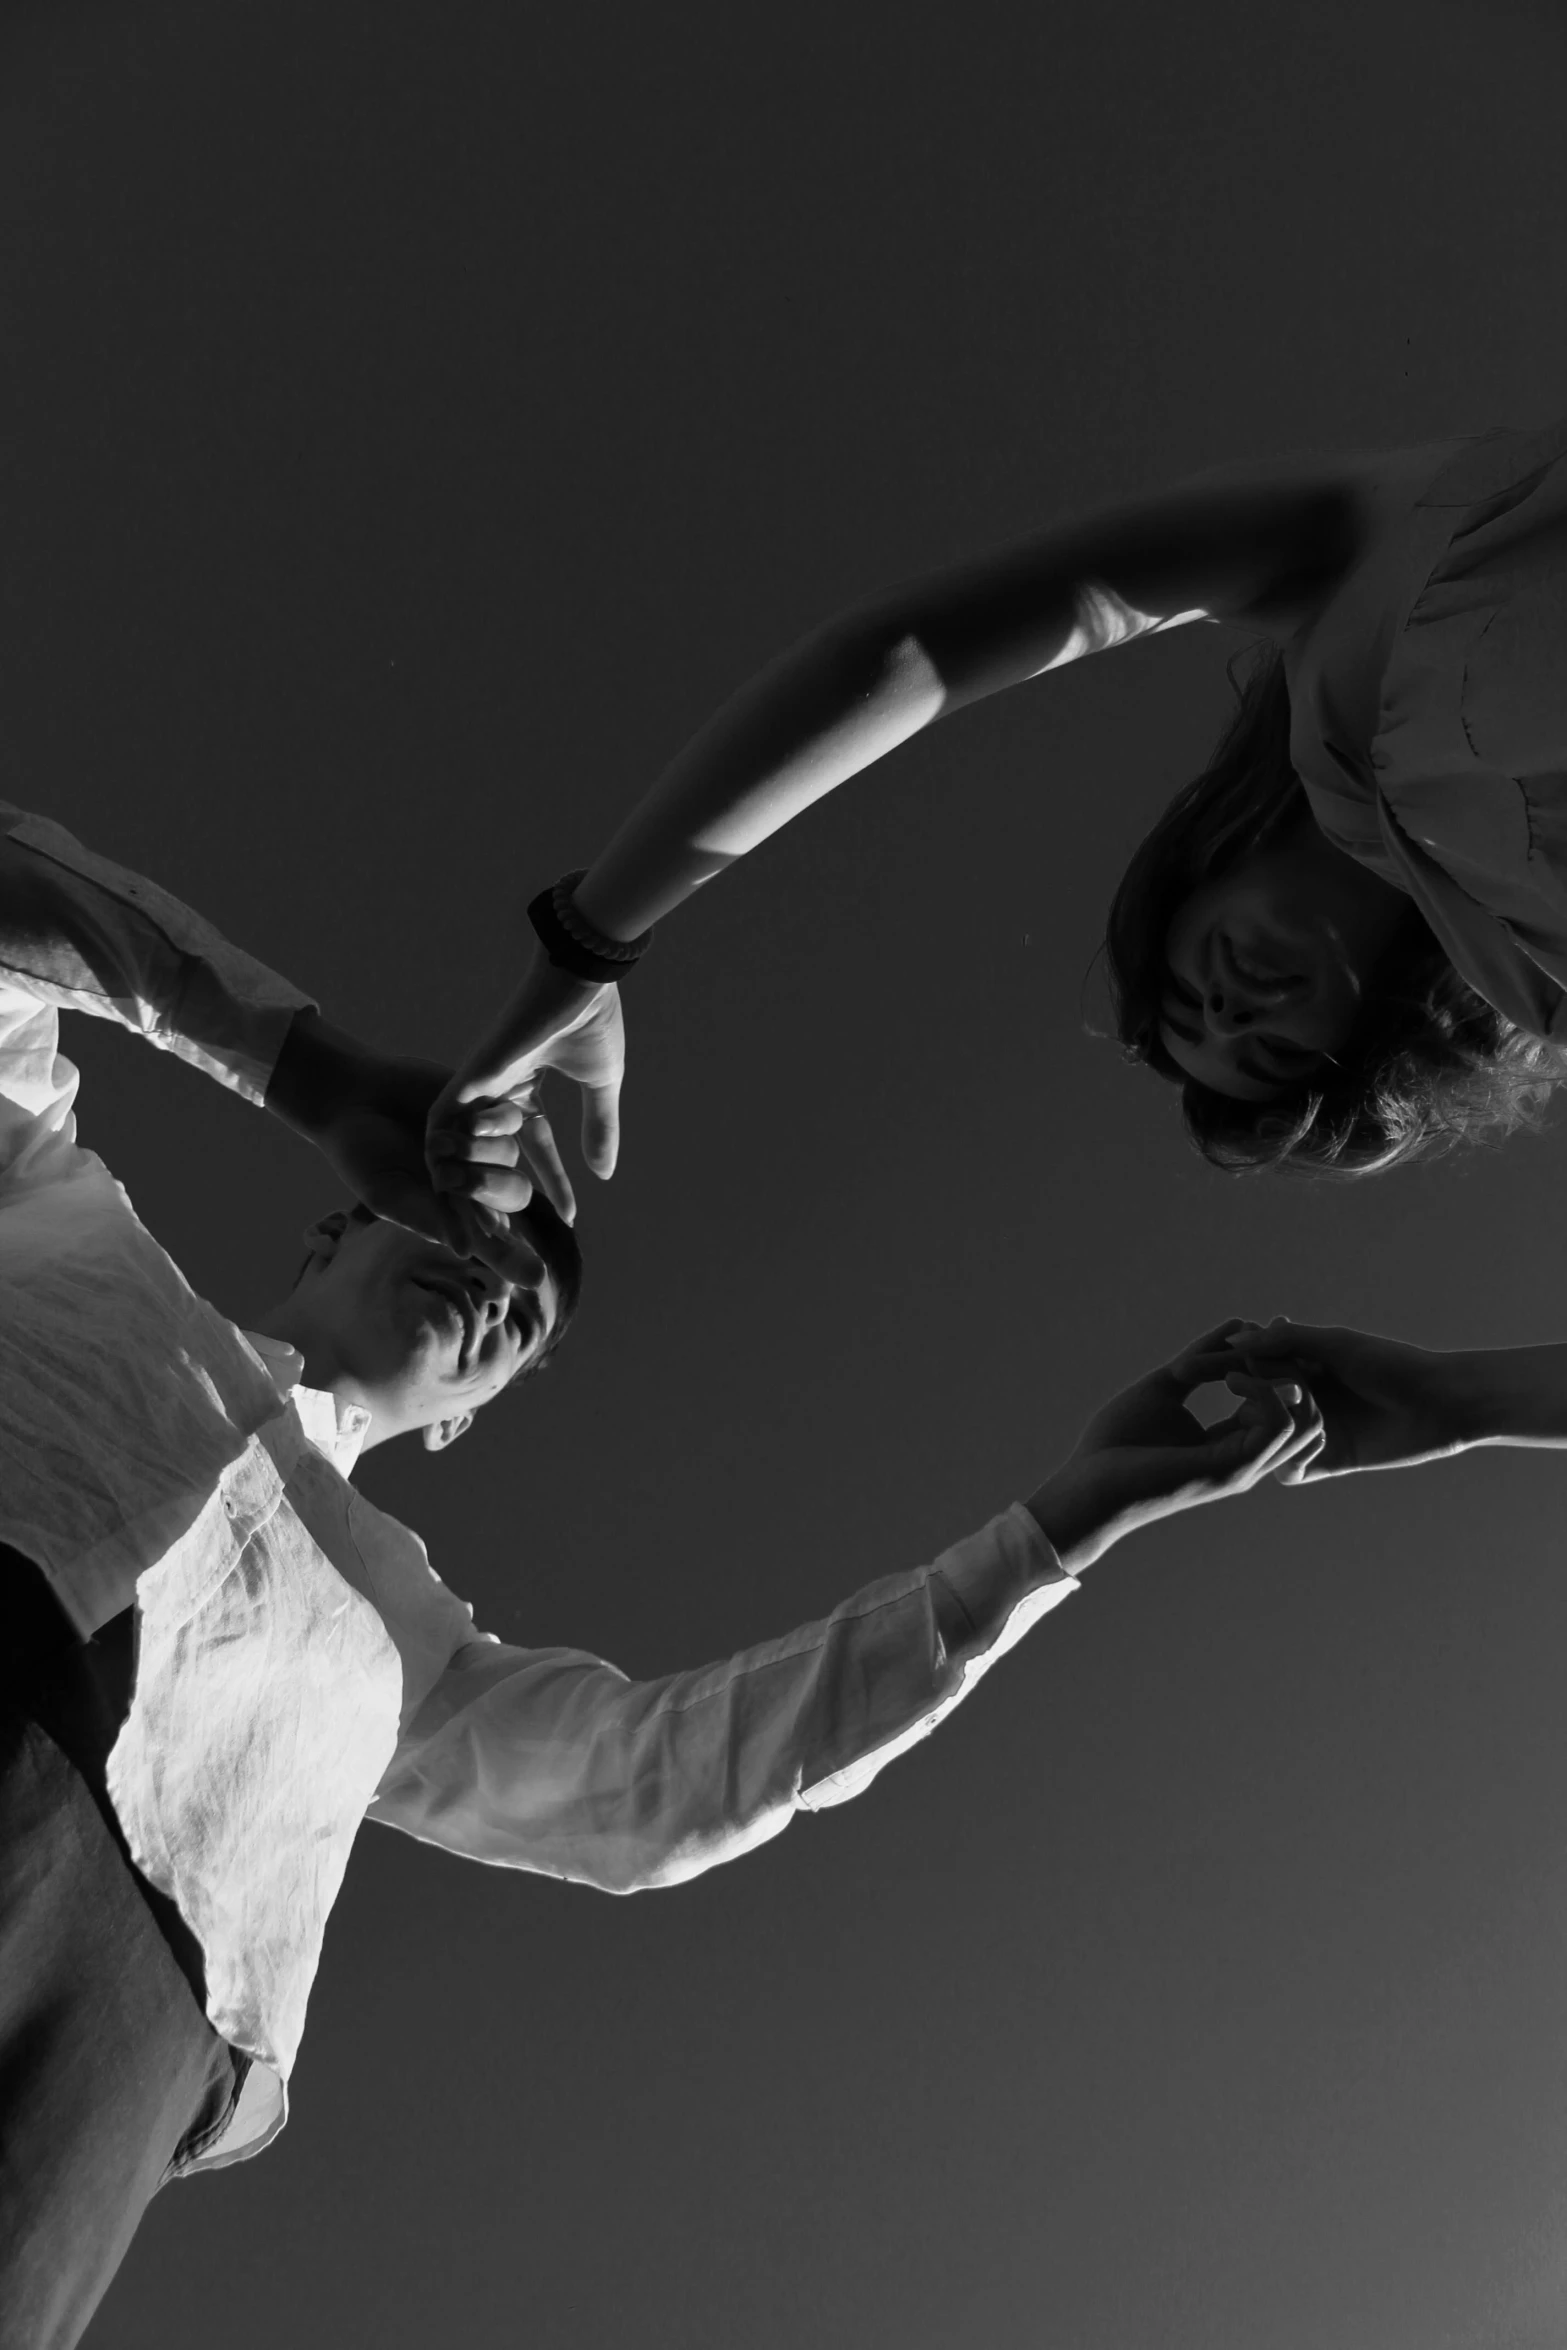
<point x="300" y="1666"/>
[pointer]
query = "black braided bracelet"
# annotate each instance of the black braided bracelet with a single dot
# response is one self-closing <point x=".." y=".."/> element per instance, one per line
<point x="570" y="940"/>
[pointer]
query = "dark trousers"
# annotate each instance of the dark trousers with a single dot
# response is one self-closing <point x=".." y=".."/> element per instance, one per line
<point x="110" y="2074"/>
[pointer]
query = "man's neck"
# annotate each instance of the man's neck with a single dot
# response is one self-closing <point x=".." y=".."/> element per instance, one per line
<point x="321" y="1370"/>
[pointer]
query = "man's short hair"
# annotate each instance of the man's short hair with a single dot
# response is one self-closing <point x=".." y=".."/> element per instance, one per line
<point x="556" y="1243"/>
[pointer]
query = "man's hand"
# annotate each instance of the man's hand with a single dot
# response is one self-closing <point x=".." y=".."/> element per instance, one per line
<point x="554" y="1021"/>
<point x="367" y="1113"/>
<point x="1384" y="1405"/>
<point x="1144" y="1455"/>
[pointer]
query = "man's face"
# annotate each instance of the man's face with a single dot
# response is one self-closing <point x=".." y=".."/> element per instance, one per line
<point x="426" y="1337"/>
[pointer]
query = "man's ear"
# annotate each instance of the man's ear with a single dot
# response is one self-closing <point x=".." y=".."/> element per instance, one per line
<point x="324" y="1237"/>
<point x="441" y="1433"/>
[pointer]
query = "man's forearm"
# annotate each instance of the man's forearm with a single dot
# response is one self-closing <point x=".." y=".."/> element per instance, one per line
<point x="1072" y="1511"/>
<point x="311" y="1073"/>
<point x="87" y="935"/>
<point x="551" y="1759"/>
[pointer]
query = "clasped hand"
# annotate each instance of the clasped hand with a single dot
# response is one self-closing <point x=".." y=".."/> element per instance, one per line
<point x="456" y="1155"/>
<point x="1385" y="1405"/>
<point x="370" y="1124"/>
<point x="488" y="1139"/>
<point x="1145" y="1455"/>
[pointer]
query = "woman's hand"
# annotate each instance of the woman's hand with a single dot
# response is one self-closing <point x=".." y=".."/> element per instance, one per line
<point x="1384" y="1405"/>
<point x="554" y="1021"/>
<point x="1144" y="1455"/>
<point x="367" y="1113"/>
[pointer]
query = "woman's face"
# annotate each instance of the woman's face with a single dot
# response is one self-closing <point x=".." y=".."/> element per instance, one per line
<point x="1268" y="964"/>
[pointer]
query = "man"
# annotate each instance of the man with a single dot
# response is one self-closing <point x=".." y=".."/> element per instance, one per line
<point x="417" y="1337"/>
<point x="216" y="1658"/>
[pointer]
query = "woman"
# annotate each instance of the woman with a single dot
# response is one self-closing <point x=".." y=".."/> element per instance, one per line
<point x="1346" y="940"/>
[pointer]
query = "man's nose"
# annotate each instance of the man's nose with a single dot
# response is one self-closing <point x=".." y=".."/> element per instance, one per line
<point x="490" y="1291"/>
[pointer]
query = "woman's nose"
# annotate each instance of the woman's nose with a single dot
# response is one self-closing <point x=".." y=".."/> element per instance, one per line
<point x="1229" y="1010"/>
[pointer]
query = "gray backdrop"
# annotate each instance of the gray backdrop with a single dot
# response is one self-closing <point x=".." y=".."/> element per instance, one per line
<point x="413" y="421"/>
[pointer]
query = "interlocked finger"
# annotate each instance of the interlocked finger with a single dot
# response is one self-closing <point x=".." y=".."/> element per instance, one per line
<point x="1296" y="1467"/>
<point x="1307" y="1436"/>
<point x="540" y="1160"/>
<point x="1285" y="1414"/>
<point x="497" y="1152"/>
<point x="1190" y="1368"/>
<point x="482" y="1150"/>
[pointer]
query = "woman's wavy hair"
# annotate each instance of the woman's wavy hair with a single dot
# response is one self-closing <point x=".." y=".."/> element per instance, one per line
<point x="1431" y="1064"/>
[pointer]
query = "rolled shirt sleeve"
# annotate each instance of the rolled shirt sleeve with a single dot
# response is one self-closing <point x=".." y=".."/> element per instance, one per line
<point x="82" y="934"/>
<point x="552" y="1760"/>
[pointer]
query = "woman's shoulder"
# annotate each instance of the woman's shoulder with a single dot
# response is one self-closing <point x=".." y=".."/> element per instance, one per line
<point x="1393" y="482"/>
<point x="1409" y="505"/>
<point x="1314" y="519"/>
<point x="1374" y="494"/>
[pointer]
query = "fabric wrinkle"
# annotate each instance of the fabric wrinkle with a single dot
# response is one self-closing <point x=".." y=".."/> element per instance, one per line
<point x="300" y="1666"/>
<point x="1451" y="778"/>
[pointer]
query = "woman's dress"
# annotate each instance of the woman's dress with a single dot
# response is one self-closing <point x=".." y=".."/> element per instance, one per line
<point x="1429" y="711"/>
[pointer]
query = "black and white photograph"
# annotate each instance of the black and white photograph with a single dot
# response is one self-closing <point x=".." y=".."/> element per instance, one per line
<point x="827" y="750"/>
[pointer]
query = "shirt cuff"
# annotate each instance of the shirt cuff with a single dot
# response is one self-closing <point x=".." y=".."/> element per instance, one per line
<point x="1004" y="1577"/>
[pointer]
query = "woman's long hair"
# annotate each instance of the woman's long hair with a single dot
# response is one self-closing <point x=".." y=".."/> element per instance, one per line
<point x="1431" y="1063"/>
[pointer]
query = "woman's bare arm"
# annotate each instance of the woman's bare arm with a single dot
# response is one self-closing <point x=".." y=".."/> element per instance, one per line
<point x="1264" y="546"/>
<point x="1258" y="545"/>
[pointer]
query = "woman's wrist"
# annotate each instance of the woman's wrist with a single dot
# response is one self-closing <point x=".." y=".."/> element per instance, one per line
<point x="1508" y="1395"/>
<point x="575" y="943"/>
<point x="1469" y="1405"/>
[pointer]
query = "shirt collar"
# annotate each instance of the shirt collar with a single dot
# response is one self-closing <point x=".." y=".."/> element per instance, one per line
<point x="337" y="1429"/>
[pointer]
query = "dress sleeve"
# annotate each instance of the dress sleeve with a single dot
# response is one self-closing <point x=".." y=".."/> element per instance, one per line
<point x="552" y="1760"/>
<point x="80" y="934"/>
<point x="1336" y="662"/>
